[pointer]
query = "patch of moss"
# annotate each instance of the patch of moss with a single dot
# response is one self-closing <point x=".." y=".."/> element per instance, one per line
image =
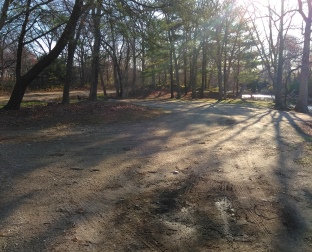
<point x="252" y="103"/>
<point x="33" y="103"/>
<point x="302" y="160"/>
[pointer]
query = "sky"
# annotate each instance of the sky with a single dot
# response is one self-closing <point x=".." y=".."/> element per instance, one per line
<point x="289" y="5"/>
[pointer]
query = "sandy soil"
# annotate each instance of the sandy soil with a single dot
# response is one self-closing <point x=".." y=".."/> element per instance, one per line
<point x="201" y="177"/>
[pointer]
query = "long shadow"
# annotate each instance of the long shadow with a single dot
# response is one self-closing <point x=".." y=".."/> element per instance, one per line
<point x="295" y="229"/>
<point x="290" y="214"/>
<point x="128" y="141"/>
<point x="15" y="203"/>
<point x="170" y="209"/>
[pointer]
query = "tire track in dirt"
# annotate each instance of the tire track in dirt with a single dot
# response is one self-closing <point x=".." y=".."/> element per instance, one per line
<point x="243" y="197"/>
<point x="86" y="222"/>
<point x="137" y="224"/>
<point x="249" y="206"/>
<point x="253" y="200"/>
<point x="220" y="202"/>
<point x="192" y="180"/>
<point x="146" y="238"/>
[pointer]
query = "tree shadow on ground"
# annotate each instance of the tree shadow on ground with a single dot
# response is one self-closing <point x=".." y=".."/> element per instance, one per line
<point x="154" y="209"/>
<point x="292" y="199"/>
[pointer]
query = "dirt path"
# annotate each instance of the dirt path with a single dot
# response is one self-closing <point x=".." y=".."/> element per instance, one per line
<point x="202" y="177"/>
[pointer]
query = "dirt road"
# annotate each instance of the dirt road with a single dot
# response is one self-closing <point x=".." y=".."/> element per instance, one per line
<point x="202" y="177"/>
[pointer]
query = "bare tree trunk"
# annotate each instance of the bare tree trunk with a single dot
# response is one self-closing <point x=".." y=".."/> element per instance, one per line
<point x="209" y="79"/>
<point x="143" y="64"/>
<point x="185" y="63"/>
<point x="126" y="70"/>
<point x="134" y="61"/>
<point x="219" y="63"/>
<point x="153" y="73"/>
<point x="278" y="92"/>
<point x="193" y="79"/>
<point x="72" y="44"/>
<point x="4" y="11"/>
<point x="170" y="35"/>
<point x="82" y="68"/>
<point x="96" y="16"/>
<point x="238" y="71"/>
<point x="193" y="68"/>
<point x="225" y="61"/>
<point x="185" y="73"/>
<point x="177" y="77"/>
<point x="113" y="54"/>
<point x="302" y="103"/>
<point x="2" y="63"/>
<point x="204" y="70"/>
<point x="103" y="83"/>
<point x="115" y="75"/>
<point x="69" y="70"/>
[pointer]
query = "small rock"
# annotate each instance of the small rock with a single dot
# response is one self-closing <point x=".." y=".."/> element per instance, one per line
<point x="94" y="170"/>
<point x="137" y="207"/>
<point x="126" y="148"/>
<point x="80" y="211"/>
<point x="176" y="172"/>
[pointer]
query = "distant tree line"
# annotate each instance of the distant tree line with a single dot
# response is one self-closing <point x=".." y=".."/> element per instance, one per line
<point x="191" y="46"/>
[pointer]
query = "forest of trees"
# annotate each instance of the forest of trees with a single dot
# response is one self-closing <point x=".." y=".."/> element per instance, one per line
<point x="190" y="46"/>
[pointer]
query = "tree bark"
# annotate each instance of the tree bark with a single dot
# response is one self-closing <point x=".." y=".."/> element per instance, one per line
<point x="170" y="35"/>
<point x="177" y="77"/>
<point x="4" y="12"/>
<point x="69" y="70"/>
<point x="302" y="103"/>
<point x="103" y="83"/>
<point x="23" y="81"/>
<point x="204" y="68"/>
<point x="185" y="72"/>
<point x="219" y="62"/>
<point x="134" y="62"/>
<point x="225" y="60"/>
<point x="193" y="73"/>
<point x="72" y="44"/>
<point x="96" y="15"/>
<point x="279" y="79"/>
<point x="143" y="63"/>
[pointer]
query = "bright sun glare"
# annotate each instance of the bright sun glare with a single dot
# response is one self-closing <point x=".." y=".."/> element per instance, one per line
<point x="259" y="9"/>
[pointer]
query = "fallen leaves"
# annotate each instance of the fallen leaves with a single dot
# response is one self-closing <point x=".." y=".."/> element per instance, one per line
<point x="80" y="113"/>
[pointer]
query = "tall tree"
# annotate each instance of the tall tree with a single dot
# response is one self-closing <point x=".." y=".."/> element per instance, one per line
<point x="279" y="104"/>
<point x="271" y="47"/>
<point x="22" y="81"/>
<point x="302" y="104"/>
<point x="96" y="17"/>
<point x="72" y="44"/>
